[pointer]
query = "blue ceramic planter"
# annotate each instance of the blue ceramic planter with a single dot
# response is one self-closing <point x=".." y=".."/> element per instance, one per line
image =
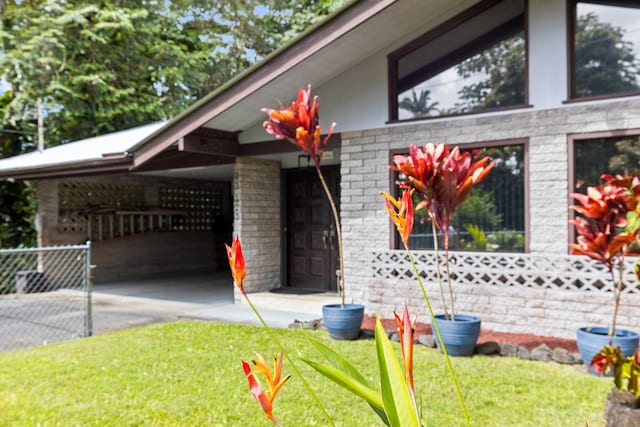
<point x="459" y="336"/>
<point x="591" y="340"/>
<point x="343" y="323"/>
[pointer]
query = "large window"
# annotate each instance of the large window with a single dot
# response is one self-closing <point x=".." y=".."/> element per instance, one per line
<point x="474" y="62"/>
<point x="612" y="153"/>
<point x="493" y="218"/>
<point x="605" y="48"/>
<point x="591" y="155"/>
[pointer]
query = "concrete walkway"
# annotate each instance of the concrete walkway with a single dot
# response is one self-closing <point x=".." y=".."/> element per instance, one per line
<point x="200" y="297"/>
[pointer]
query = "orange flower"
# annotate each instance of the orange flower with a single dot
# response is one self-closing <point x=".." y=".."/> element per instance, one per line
<point x="401" y="213"/>
<point x="299" y="124"/>
<point x="274" y="382"/>
<point x="236" y="262"/>
<point x="406" y="330"/>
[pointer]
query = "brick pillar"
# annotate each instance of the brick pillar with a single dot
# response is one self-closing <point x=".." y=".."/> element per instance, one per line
<point x="256" y="220"/>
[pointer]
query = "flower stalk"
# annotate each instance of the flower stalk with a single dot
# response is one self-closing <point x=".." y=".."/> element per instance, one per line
<point x="238" y="272"/>
<point x="299" y="124"/>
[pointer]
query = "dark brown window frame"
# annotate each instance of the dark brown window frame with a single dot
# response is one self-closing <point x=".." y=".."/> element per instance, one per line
<point x="571" y="178"/>
<point x="394" y="240"/>
<point x="571" y="28"/>
<point x="452" y="58"/>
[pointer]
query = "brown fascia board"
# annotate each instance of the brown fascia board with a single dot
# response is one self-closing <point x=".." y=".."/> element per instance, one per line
<point x="258" y="76"/>
<point x="95" y="167"/>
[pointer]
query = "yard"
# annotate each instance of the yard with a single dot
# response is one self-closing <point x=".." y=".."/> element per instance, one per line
<point x="189" y="373"/>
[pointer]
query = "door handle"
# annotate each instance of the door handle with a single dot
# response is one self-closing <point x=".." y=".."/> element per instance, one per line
<point x="332" y="236"/>
<point x="325" y="238"/>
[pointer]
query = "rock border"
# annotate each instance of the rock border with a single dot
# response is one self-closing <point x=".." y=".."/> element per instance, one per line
<point x="541" y="353"/>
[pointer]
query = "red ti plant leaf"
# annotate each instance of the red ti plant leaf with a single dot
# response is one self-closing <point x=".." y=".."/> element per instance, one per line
<point x="443" y="176"/>
<point x="602" y="218"/>
<point x="299" y="124"/>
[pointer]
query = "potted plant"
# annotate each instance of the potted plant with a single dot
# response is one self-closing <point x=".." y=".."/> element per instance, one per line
<point x="442" y="178"/>
<point x="623" y="402"/>
<point x="606" y="235"/>
<point x="299" y="124"/>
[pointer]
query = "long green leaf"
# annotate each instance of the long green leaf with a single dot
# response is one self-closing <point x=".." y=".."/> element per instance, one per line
<point x="371" y="396"/>
<point x="395" y="393"/>
<point x="338" y="361"/>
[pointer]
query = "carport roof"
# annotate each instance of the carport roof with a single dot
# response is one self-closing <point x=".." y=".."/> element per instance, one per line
<point x="106" y="152"/>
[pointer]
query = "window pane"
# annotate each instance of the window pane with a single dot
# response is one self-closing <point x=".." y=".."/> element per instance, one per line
<point x="594" y="157"/>
<point x="492" y="217"/>
<point x="606" y="50"/>
<point x="492" y="78"/>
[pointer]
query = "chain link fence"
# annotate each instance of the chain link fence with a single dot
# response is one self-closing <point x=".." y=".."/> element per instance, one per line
<point x="45" y="295"/>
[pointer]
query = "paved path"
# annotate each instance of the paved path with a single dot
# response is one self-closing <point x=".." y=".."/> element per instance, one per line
<point x="31" y="320"/>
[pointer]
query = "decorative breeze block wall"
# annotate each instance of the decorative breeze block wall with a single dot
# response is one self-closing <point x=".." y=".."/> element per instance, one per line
<point x="365" y="159"/>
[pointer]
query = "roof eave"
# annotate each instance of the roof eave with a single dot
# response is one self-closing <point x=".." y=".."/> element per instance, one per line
<point x="66" y="170"/>
<point x="193" y="117"/>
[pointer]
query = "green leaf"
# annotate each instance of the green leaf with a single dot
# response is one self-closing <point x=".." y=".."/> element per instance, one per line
<point x="398" y="404"/>
<point x="338" y="361"/>
<point x="371" y="396"/>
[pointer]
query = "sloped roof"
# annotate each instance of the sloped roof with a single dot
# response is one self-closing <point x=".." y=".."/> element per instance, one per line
<point x="109" y="150"/>
<point x="321" y="53"/>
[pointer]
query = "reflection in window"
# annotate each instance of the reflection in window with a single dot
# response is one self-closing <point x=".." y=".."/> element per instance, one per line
<point x="493" y="78"/>
<point x="613" y="155"/>
<point x="474" y="62"/>
<point x="493" y="216"/>
<point x="606" y="49"/>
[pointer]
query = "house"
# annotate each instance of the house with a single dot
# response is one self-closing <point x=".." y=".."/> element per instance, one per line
<point x="524" y="80"/>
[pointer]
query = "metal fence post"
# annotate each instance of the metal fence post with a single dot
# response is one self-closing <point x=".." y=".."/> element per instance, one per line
<point x="89" y="289"/>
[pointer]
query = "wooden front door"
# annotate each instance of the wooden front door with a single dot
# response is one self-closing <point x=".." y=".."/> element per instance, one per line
<point x="312" y="246"/>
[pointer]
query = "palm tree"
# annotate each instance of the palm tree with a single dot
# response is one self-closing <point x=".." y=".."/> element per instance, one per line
<point x="419" y="105"/>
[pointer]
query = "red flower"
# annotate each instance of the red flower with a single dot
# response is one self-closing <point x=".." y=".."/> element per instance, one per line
<point x="299" y="124"/>
<point x="603" y="215"/>
<point x="274" y="383"/>
<point x="444" y="177"/>
<point x="236" y="263"/>
<point x="401" y="213"/>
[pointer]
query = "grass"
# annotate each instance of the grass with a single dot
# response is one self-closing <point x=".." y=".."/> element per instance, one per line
<point x="189" y="373"/>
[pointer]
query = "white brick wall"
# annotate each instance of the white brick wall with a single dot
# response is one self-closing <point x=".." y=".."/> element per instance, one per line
<point x="256" y="220"/>
<point x="365" y="161"/>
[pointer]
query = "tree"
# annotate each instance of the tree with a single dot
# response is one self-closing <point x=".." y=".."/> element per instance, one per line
<point x="111" y="65"/>
<point x="419" y="106"/>
<point x="503" y="64"/>
<point x="604" y="62"/>
<point x="17" y="207"/>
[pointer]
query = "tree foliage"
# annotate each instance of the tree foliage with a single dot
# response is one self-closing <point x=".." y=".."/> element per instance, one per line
<point x="104" y="66"/>
<point x="604" y="62"/>
<point x="419" y="105"/>
<point x="17" y="201"/>
<point x="503" y="64"/>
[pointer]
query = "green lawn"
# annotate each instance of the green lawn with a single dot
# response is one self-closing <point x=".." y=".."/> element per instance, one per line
<point x="189" y="373"/>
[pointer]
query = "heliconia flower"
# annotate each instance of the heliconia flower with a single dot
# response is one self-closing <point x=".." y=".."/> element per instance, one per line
<point x="401" y="213"/>
<point x="443" y="176"/>
<point x="406" y="331"/>
<point x="274" y="382"/>
<point x="299" y="124"/>
<point x="236" y="263"/>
